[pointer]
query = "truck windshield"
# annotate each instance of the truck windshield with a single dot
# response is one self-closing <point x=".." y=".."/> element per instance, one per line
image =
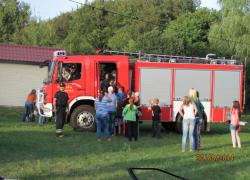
<point x="51" y="70"/>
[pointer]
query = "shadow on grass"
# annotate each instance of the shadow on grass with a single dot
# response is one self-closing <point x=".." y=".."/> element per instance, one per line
<point x="189" y="169"/>
<point x="112" y="172"/>
<point x="36" y="145"/>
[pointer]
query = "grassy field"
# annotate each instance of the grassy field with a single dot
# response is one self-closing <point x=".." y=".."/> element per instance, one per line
<point x="30" y="151"/>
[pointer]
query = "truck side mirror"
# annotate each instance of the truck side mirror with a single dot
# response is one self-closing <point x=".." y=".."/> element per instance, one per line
<point x="59" y="74"/>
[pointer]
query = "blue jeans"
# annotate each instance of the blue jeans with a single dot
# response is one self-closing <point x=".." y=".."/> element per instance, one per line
<point x="28" y="112"/>
<point x="102" y="122"/>
<point x="188" y="125"/>
<point x="41" y="119"/>
<point x="111" y="121"/>
<point x="196" y="135"/>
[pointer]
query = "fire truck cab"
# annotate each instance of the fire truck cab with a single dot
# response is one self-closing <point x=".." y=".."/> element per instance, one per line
<point x="84" y="88"/>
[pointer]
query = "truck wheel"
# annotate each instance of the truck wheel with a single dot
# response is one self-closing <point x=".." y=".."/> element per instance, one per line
<point x="178" y="123"/>
<point x="83" y="118"/>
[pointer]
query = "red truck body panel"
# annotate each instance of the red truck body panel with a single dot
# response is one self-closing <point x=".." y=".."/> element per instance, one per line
<point x="129" y="74"/>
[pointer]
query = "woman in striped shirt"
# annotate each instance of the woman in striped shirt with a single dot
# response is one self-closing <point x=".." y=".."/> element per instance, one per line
<point x="102" y="120"/>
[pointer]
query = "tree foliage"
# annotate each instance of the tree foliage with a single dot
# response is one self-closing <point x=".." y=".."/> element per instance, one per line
<point x="187" y="35"/>
<point x="14" y="16"/>
<point x="122" y="25"/>
<point x="231" y="34"/>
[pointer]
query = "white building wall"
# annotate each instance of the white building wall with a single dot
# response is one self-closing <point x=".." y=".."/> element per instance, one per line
<point x="17" y="80"/>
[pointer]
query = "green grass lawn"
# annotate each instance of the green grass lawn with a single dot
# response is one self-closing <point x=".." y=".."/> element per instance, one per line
<point x="30" y="151"/>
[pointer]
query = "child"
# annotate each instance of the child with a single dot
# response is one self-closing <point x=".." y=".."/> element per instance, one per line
<point x="129" y="112"/>
<point x="156" y="117"/>
<point x="120" y="100"/>
<point x="234" y="124"/>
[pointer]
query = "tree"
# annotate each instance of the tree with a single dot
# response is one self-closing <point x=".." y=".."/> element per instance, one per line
<point x="14" y="15"/>
<point x="121" y="24"/>
<point x="231" y="34"/>
<point x="151" y="42"/>
<point x="77" y="45"/>
<point x="61" y="26"/>
<point x="36" y="33"/>
<point x="188" y="34"/>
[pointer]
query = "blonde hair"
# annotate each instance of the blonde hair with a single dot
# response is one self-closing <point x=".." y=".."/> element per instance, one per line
<point x="156" y="100"/>
<point x="186" y="100"/>
<point x="192" y="93"/>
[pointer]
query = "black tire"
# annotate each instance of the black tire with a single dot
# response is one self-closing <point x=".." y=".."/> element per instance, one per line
<point x="178" y="123"/>
<point x="83" y="118"/>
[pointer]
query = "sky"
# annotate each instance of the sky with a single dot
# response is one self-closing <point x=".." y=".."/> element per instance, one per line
<point x="47" y="9"/>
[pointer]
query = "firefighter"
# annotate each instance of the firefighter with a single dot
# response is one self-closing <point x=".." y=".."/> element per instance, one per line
<point x="60" y="104"/>
<point x="74" y="73"/>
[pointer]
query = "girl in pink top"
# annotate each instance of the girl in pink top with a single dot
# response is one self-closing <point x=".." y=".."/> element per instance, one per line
<point x="234" y="124"/>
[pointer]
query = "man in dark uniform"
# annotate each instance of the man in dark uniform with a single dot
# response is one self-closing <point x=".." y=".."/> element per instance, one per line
<point x="60" y="104"/>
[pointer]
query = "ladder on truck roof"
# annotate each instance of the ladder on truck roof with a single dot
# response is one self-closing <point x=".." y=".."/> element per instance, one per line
<point x="209" y="59"/>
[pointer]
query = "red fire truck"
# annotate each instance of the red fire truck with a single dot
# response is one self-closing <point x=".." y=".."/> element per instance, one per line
<point x="169" y="78"/>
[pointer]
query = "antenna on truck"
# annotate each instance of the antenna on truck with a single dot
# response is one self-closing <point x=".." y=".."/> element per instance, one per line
<point x="209" y="59"/>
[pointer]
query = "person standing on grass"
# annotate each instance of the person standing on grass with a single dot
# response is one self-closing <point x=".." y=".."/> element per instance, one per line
<point x="111" y="107"/>
<point x="188" y="123"/>
<point x="102" y="120"/>
<point x="129" y="95"/>
<point x="234" y="124"/>
<point x="194" y="95"/>
<point x="28" y="114"/>
<point x="156" y="118"/>
<point x="60" y="104"/>
<point x="137" y="102"/>
<point x="126" y="101"/>
<point x="120" y="100"/>
<point x="129" y="112"/>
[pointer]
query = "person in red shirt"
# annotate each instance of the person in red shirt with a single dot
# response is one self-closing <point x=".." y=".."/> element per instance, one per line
<point x="29" y="106"/>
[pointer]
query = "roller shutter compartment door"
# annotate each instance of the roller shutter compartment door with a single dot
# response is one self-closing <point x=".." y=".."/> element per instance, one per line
<point x="155" y="83"/>
<point x="226" y="88"/>
<point x="200" y="80"/>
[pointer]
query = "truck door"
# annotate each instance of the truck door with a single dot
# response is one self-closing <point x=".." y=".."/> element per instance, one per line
<point x="116" y="67"/>
<point x="72" y="74"/>
<point x="103" y="69"/>
<point x="97" y="79"/>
